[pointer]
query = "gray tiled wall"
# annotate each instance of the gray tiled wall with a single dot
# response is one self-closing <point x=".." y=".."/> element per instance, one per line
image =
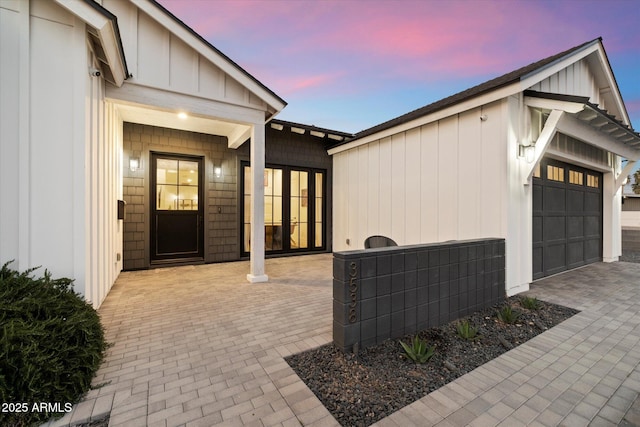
<point x="389" y="292"/>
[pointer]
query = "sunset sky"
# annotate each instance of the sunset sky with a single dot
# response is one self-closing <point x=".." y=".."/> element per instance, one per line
<point x="349" y="65"/>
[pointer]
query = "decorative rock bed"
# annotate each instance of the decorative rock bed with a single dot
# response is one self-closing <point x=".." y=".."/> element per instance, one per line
<point x="361" y="389"/>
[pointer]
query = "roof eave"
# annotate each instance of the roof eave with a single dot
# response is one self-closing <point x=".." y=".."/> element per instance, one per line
<point x="106" y="24"/>
<point x="515" y="80"/>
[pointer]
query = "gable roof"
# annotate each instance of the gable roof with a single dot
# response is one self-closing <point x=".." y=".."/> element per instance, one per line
<point x="483" y="88"/>
<point x="216" y="51"/>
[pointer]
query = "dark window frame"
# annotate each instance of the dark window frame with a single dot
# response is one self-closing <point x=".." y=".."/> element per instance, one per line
<point x="286" y="208"/>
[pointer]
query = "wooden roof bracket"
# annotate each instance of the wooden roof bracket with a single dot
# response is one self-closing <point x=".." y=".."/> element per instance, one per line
<point x="546" y="136"/>
<point x="629" y="167"/>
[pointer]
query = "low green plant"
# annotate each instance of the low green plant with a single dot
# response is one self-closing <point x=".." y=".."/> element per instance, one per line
<point x="466" y="330"/>
<point x="418" y="351"/>
<point x="508" y="315"/>
<point x="51" y="344"/>
<point x="530" y="303"/>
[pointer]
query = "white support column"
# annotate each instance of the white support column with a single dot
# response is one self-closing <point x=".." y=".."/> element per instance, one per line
<point x="257" y="273"/>
<point x="611" y="230"/>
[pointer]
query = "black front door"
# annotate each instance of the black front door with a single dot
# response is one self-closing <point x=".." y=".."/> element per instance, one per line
<point x="176" y="209"/>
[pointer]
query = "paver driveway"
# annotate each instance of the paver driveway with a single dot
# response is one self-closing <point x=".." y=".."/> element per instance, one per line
<point x="201" y="346"/>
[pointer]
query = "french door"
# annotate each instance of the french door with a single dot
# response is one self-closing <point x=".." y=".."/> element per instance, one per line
<point x="294" y="209"/>
<point x="176" y="208"/>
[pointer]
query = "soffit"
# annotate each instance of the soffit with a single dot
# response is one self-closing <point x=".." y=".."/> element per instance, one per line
<point x="171" y="120"/>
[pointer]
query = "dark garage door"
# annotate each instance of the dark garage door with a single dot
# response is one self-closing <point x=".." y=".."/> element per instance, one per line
<point x="567" y="217"/>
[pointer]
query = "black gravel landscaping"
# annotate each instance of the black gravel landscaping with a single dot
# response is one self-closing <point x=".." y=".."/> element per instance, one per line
<point x="360" y="390"/>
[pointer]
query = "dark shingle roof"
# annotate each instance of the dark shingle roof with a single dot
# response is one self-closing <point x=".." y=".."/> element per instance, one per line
<point x="480" y="89"/>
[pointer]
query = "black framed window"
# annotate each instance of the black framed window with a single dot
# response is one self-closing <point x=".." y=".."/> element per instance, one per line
<point x="294" y="209"/>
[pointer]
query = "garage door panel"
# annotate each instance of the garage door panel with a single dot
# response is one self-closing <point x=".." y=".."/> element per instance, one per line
<point x="567" y="218"/>
<point x="554" y="199"/>
<point x="575" y="201"/>
<point x="593" y="202"/>
<point x="592" y="249"/>
<point x="593" y="228"/>
<point x="537" y="230"/>
<point x="554" y="228"/>
<point x="555" y="259"/>
<point x="575" y="226"/>
<point x="537" y="198"/>
<point x="538" y="270"/>
<point x="575" y="254"/>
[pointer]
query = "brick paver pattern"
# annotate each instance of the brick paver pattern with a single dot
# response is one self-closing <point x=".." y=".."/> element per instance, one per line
<point x="200" y="346"/>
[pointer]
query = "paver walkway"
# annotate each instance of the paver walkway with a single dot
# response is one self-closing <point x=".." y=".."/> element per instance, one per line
<point x="199" y="346"/>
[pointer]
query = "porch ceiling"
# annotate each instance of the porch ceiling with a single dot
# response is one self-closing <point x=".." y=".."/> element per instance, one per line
<point x="191" y="123"/>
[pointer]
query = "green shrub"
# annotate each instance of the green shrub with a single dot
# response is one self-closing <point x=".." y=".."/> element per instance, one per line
<point x="418" y="350"/>
<point x="51" y="344"/>
<point x="508" y="315"/>
<point x="465" y="330"/>
<point x="530" y="303"/>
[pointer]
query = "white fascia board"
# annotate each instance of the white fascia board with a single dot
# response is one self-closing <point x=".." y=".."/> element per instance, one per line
<point x="106" y="31"/>
<point x="217" y="59"/>
<point x="604" y="63"/>
<point x="575" y="128"/>
<point x="111" y="48"/>
<point x="147" y="96"/>
<point x="469" y="104"/>
<point x="552" y="104"/>
<point x="542" y="73"/>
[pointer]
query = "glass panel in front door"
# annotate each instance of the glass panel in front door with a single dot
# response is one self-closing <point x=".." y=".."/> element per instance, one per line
<point x="176" y="185"/>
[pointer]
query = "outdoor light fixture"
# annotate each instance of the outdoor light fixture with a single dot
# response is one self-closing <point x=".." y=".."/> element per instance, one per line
<point x="134" y="163"/>
<point x="217" y="171"/>
<point x="182" y="115"/>
<point x="527" y="151"/>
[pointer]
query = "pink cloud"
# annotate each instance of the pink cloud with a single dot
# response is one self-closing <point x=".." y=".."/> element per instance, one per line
<point x="304" y="82"/>
<point x="350" y="46"/>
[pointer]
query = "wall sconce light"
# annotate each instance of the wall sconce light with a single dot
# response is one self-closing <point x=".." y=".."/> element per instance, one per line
<point x="134" y="163"/>
<point x="217" y="171"/>
<point x="527" y="152"/>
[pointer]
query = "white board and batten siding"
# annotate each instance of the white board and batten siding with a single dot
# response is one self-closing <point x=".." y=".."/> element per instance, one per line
<point x="576" y="79"/>
<point x="158" y="58"/>
<point x="441" y="181"/>
<point x="59" y="162"/>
